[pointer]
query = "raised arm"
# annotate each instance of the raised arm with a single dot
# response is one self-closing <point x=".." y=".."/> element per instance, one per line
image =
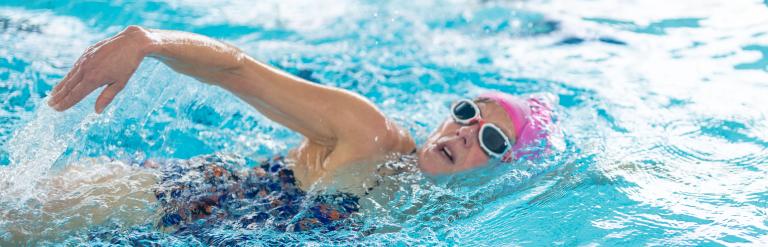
<point x="321" y="113"/>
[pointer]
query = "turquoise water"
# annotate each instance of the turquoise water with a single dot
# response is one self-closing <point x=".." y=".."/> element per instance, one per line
<point x="662" y="104"/>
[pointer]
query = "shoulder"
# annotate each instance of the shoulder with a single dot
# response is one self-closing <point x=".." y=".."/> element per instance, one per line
<point x="380" y="136"/>
<point x="374" y="147"/>
<point x="367" y="130"/>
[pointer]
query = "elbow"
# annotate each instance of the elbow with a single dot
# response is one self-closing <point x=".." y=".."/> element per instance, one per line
<point x="233" y="70"/>
<point x="233" y="59"/>
<point x="239" y="61"/>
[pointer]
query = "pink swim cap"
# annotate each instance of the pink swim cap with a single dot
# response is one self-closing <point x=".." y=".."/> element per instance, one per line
<point x="532" y="120"/>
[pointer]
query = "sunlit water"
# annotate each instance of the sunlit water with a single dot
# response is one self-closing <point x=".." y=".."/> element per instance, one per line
<point x="663" y="104"/>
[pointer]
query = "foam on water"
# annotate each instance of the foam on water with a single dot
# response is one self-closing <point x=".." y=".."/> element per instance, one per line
<point x="666" y="140"/>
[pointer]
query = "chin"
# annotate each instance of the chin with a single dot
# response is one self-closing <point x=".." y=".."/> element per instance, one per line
<point x="423" y="161"/>
<point x="427" y="164"/>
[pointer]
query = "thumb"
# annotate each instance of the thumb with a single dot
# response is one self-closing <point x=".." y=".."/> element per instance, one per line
<point x="108" y="95"/>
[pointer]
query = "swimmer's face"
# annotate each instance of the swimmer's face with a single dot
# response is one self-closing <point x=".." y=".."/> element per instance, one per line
<point x="454" y="147"/>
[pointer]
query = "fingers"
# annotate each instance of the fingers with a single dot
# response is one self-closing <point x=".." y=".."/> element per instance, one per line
<point x="76" y="94"/>
<point x="74" y="75"/>
<point x="72" y="72"/>
<point x="100" y="64"/>
<point x="65" y="86"/>
<point x="107" y="95"/>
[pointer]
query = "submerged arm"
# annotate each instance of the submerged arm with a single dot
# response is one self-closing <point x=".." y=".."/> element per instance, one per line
<point x="321" y="113"/>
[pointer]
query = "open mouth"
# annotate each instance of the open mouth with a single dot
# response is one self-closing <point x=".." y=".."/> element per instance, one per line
<point x="447" y="153"/>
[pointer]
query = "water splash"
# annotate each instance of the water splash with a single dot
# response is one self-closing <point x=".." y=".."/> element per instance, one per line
<point x="661" y="102"/>
<point x="35" y="148"/>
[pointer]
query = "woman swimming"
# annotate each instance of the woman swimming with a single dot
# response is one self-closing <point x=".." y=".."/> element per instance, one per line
<point x="346" y="137"/>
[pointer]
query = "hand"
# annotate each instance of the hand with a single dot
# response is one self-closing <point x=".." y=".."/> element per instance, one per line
<point x="110" y="62"/>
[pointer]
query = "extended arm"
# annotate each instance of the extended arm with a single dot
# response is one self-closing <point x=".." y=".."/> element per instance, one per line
<point x="322" y="114"/>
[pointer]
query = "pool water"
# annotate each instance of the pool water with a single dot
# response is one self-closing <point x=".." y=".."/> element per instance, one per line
<point x="662" y="104"/>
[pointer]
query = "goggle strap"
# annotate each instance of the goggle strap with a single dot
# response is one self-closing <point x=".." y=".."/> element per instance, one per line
<point x="507" y="158"/>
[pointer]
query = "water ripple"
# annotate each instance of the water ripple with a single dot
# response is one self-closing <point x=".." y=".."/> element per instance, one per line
<point x="714" y="140"/>
<point x="665" y="127"/>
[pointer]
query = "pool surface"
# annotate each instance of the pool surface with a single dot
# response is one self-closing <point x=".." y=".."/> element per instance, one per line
<point x="663" y="105"/>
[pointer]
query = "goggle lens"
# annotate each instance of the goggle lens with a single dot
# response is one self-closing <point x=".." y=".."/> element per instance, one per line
<point x="463" y="110"/>
<point x="493" y="139"/>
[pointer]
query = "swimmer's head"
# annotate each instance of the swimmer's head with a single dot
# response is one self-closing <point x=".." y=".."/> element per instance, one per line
<point x="455" y="147"/>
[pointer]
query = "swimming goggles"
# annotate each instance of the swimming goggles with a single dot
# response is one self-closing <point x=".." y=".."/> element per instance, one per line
<point x="493" y="141"/>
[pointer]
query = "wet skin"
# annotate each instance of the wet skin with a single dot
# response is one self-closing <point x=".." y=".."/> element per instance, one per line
<point x="336" y="145"/>
<point x="454" y="147"/>
<point x="340" y="146"/>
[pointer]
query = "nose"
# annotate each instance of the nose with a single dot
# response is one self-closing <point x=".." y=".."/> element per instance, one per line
<point x="467" y="133"/>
